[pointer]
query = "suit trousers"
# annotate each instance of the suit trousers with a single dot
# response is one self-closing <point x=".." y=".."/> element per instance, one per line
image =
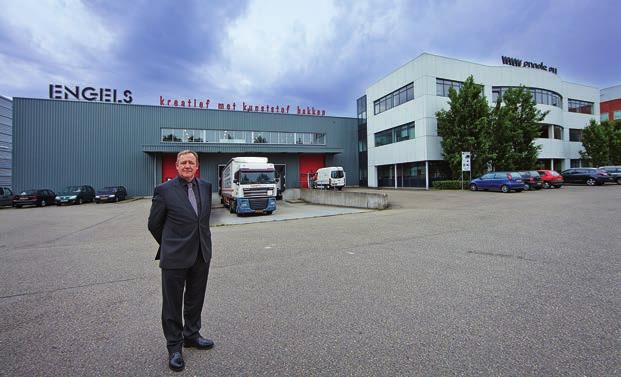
<point x="194" y="280"/>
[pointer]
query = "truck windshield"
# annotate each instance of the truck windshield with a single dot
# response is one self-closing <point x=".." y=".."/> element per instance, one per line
<point x="257" y="177"/>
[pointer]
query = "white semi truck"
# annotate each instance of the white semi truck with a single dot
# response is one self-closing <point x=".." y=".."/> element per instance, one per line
<point x="248" y="185"/>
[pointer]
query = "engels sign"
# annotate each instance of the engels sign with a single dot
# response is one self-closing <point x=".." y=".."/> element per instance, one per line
<point x="204" y="104"/>
<point x="88" y="93"/>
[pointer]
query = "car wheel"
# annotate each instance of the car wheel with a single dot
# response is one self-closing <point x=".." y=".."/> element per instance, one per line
<point x="591" y="182"/>
<point x="18" y="206"/>
<point x="116" y="199"/>
<point x="519" y="190"/>
<point x="340" y="188"/>
<point x="526" y="187"/>
<point x="504" y="188"/>
<point x="43" y="203"/>
<point x="546" y="185"/>
<point x="232" y="206"/>
<point x="473" y="187"/>
<point x="268" y="212"/>
<point x="96" y="201"/>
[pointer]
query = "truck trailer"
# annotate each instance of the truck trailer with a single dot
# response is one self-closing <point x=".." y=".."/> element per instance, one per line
<point x="248" y="185"/>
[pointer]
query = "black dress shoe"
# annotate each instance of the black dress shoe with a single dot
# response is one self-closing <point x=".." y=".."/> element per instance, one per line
<point x="175" y="361"/>
<point x="200" y="343"/>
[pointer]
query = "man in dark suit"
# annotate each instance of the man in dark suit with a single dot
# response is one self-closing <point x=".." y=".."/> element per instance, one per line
<point x="179" y="222"/>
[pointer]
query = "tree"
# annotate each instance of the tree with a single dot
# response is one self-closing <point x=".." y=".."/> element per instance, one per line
<point x="596" y="142"/>
<point x="615" y="143"/>
<point x="514" y="125"/>
<point x="463" y="128"/>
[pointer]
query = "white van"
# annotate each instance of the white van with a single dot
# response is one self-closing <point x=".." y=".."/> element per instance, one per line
<point x="329" y="178"/>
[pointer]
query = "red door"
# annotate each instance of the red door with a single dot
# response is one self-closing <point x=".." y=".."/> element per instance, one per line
<point x="309" y="164"/>
<point x="169" y="171"/>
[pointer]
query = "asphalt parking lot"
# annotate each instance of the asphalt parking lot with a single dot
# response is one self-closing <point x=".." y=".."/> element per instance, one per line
<point x="442" y="283"/>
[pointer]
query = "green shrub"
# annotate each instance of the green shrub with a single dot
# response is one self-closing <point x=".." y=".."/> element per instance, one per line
<point x="448" y="185"/>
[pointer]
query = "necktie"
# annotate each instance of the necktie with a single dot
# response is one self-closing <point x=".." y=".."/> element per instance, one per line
<point x="192" y="198"/>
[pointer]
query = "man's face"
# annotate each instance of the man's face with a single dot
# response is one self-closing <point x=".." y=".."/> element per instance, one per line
<point x="187" y="166"/>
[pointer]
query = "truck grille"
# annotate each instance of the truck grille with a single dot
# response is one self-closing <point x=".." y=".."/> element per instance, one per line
<point x="258" y="204"/>
<point x="255" y="192"/>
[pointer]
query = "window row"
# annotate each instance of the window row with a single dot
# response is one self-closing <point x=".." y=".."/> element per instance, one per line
<point x="394" y="99"/>
<point x="176" y="135"/>
<point x="443" y="85"/>
<point x="395" y="134"/>
<point x="412" y="174"/>
<point x="540" y="96"/>
<point x="577" y="106"/>
<point x="616" y="115"/>
<point x="551" y="131"/>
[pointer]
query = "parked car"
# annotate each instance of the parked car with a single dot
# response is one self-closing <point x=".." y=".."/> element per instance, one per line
<point x="551" y="178"/>
<point x="500" y="180"/>
<point x="35" y="197"/>
<point x="6" y="196"/>
<point x="614" y="172"/>
<point x="111" y="194"/>
<point x="532" y="180"/>
<point x="590" y="176"/>
<point x="76" y="195"/>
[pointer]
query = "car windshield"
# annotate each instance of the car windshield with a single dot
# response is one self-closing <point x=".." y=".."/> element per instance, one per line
<point x="257" y="177"/>
<point x="72" y="189"/>
<point x="534" y="173"/>
<point x="337" y="174"/>
<point x="108" y="189"/>
<point x="555" y="174"/>
<point x="29" y="192"/>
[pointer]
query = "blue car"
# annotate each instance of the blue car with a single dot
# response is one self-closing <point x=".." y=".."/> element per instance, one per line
<point x="504" y="181"/>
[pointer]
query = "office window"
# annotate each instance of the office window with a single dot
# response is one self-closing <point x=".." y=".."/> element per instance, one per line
<point x="394" y="99"/>
<point x="383" y="138"/>
<point x="443" y="85"/>
<point x="395" y="134"/>
<point x="575" y="134"/>
<point x="617" y="115"/>
<point x="603" y="117"/>
<point x="578" y="106"/>
<point x="540" y="96"/>
<point x="558" y="132"/>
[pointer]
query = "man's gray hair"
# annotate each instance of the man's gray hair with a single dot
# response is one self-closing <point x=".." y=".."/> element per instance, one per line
<point x="187" y="151"/>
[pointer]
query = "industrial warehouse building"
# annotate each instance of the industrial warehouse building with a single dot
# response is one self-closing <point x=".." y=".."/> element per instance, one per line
<point x="6" y="141"/>
<point x="57" y="143"/>
<point x="398" y="126"/>
<point x="102" y="139"/>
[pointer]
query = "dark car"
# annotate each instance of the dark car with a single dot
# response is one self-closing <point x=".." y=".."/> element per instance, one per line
<point x="590" y="176"/>
<point x="76" y="195"/>
<point x="500" y="180"/>
<point x="532" y="180"/>
<point x="6" y="196"/>
<point x="111" y="194"/>
<point x="35" y="197"/>
<point x="551" y="179"/>
<point x="614" y="172"/>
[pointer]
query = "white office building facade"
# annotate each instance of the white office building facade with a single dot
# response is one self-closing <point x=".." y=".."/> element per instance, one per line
<point x="403" y="146"/>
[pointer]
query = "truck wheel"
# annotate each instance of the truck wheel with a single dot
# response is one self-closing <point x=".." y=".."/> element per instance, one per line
<point x="232" y="206"/>
<point x="268" y="212"/>
<point x="340" y="188"/>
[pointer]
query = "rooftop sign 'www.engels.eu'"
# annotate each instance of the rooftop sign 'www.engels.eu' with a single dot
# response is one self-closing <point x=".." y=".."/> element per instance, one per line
<point x="88" y="93"/>
<point x="519" y="63"/>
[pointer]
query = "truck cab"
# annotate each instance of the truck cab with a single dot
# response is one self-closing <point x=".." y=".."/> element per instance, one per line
<point x="248" y="185"/>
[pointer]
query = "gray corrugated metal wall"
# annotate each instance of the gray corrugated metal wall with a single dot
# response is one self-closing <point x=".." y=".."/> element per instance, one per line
<point x="60" y="143"/>
<point x="6" y="141"/>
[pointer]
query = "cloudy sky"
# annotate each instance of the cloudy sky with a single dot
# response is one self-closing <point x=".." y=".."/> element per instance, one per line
<point x="320" y="53"/>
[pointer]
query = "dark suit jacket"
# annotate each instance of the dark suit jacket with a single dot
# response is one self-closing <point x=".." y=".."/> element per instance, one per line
<point x="176" y="227"/>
